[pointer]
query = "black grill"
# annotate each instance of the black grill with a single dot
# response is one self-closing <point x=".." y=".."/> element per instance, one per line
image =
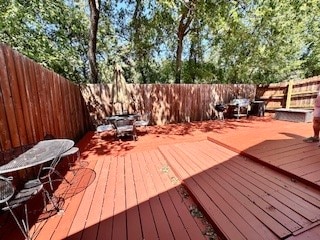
<point x="220" y="107"/>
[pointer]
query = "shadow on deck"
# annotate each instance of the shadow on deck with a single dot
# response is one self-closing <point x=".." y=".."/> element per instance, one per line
<point x="132" y="190"/>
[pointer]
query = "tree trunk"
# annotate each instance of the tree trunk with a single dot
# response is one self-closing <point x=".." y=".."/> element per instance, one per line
<point x="183" y="29"/>
<point x="94" y="19"/>
<point x="179" y="57"/>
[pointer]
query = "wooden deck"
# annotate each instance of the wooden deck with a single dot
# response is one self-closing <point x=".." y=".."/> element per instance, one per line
<point x="154" y="188"/>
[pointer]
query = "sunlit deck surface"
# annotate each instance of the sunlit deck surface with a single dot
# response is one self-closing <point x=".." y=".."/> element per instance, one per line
<point x="250" y="178"/>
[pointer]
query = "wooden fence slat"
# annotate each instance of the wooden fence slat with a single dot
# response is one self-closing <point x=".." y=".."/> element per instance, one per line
<point x="50" y="99"/>
<point x="34" y="100"/>
<point x="30" y="116"/>
<point x="8" y="100"/>
<point x="42" y="100"/>
<point x="25" y="134"/>
<point x="16" y="92"/>
<point x="5" y="142"/>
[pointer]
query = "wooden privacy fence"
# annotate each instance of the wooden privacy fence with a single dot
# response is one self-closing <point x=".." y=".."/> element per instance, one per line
<point x="36" y="102"/>
<point x="167" y="103"/>
<point x="292" y="94"/>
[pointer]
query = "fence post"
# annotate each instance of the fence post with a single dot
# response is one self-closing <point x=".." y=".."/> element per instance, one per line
<point x="289" y="93"/>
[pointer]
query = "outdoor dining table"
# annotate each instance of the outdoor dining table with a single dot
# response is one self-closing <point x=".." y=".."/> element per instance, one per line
<point x="124" y="124"/>
<point x="116" y="117"/>
<point x="44" y="151"/>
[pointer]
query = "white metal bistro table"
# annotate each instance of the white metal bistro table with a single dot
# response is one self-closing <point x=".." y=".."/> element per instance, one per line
<point x="114" y="118"/>
<point x="44" y="151"/>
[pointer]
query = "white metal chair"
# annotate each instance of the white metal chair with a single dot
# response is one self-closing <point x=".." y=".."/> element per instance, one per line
<point x="104" y="127"/>
<point x="46" y="172"/>
<point x="126" y="127"/>
<point x="11" y="199"/>
<point x="143" y="121"/>
<point x="72" y="151"/>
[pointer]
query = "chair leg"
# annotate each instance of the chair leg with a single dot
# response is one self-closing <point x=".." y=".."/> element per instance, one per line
<point x="62" y="177"/>
<point x="26" y="223"/>
<point x="23" y="229"/>
<point x="55" y="205"/>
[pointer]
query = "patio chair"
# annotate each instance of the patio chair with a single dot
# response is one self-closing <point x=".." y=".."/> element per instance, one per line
<point x="104" y="127"/>
<point x="126" y="127"/>
<point x="144" y="120"/>
<point x="71" y="152"/>
<point x="46" y="172"/>
<point x="11" y="199"/>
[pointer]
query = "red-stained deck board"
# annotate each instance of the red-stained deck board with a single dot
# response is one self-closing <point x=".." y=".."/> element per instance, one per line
<point x="93" y="218"/>
<point x="180" y="162"/>
<point x="119" y="221"/>
<point x="74" y="196"/>
<point x="311" y="234"/>
<point x="313" y="176"/>
<point x="78" y="225"/>
<point x="246" y="198"/>
<point x="172" y="215"/>
<point x="263" y="204"/>
<point x="292" y="156"/>
<point x="68" y="193"/>
<point x="221" y="197"/>
<point x="149" y="230"/>
<point x="106" y="219"/>
<point x="271" y="191"/>
<point x="278" y="143"/>
<point x="305" y="192"/>
<point x="133" y="217"/>
<point x="305" y="160"/>
<point x="216" y="174"/>
<point x="248" y="231"/>
<point x="230" y="195"/>
<point x="163" y="227"/>
<point x="281" y="198"/>
<point x="278" y="147"/>
<point x="190" y="225"/>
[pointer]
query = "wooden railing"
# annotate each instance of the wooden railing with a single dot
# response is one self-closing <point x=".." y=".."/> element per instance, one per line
<point x="292" y="94"/>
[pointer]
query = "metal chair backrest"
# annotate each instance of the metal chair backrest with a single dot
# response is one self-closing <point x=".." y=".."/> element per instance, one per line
<point x="13" y="199"/>
<point x="6" y="189"/>
<point x="144" y="120"/>
<point x="47" y="171"/>
<point x="124" y="122"/>
<point x="126" y="126"/>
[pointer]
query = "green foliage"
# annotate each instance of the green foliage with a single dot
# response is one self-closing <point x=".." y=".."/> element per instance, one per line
<point x="50" y="32"/>
<point x="250" y="41"/>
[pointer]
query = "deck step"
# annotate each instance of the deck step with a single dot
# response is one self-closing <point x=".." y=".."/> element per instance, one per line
<point x="243" y="199"/>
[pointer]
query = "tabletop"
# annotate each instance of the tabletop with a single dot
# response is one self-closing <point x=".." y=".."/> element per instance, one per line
<point x="40" y="153"/>
<point x="122" y="116"/>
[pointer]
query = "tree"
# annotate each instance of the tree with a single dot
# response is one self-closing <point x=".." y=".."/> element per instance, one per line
<point x="184" y="27"/>
<point x="94" y="6"/>
<point x="190" y="41"/>
<point x="52" y="33"/>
